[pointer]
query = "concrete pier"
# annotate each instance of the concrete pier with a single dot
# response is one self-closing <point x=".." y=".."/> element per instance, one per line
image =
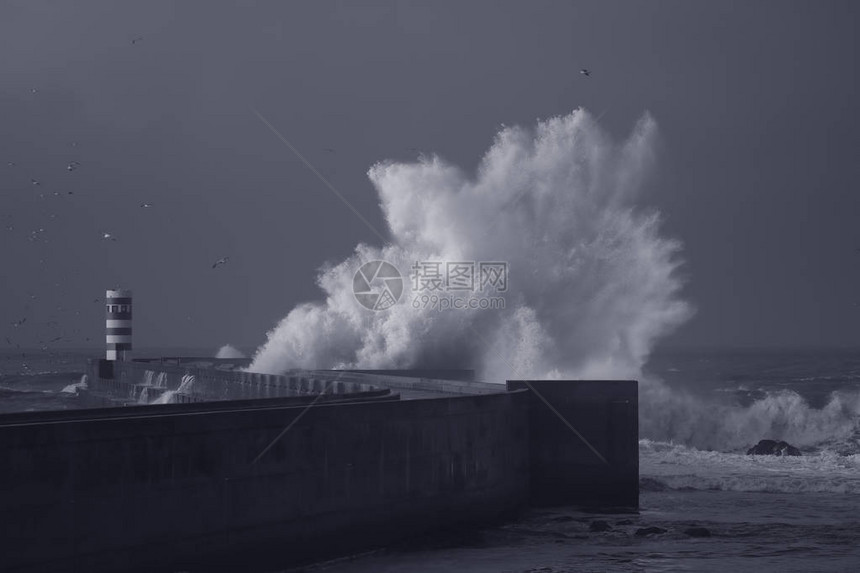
<point x="337" y="462"/>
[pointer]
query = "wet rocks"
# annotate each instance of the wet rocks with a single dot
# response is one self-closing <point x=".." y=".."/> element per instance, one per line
<point x="599" y="525"/>
<point x="773" y="448"/>
<point x="646" y="531"/>
<point x="698" y="532"/>
<point x="651" y="484"/>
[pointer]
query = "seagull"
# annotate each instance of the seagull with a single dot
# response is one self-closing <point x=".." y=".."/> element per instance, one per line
<point x="585" y="72"/>
<point x="108" y="236"/>
<point x="18" y="323"/>
<point x="11" y="164"/>
<point x="221" y="261"/>
<point x="34" y="90"/>
<point x="72" y="166"/>
<point x="33" y="181"/>
<point x="146" y="205"/>
<point x="136" y="40"/>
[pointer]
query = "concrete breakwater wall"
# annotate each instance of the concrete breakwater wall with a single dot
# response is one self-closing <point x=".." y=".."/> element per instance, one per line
<point x="331" y="462"/>
<point x="155" y="488"/>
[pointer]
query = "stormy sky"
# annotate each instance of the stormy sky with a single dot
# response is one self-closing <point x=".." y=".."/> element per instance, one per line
<point x="757" y="173"/>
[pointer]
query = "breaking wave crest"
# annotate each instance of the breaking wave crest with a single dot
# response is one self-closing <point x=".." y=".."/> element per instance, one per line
<point x="666" y="465"/>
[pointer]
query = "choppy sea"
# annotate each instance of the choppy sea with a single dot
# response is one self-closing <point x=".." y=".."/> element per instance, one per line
<point x="757" y="513"/>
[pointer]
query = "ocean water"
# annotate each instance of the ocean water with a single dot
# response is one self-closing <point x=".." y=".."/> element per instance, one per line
<point x="763" y="513"/>
<point x="35" y="380"/>
<point x="32" y="380"/>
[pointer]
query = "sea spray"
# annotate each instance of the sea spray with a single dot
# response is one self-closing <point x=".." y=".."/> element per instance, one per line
<point x="229" y="351"/>
<point x="82" y="384"/>
<point x="185" y="385"/>
<point x="187" y="382"/>
<point x="592" y="285"/>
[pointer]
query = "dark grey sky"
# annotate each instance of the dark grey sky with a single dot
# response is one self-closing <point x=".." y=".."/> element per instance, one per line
<point x="757" y="105"/>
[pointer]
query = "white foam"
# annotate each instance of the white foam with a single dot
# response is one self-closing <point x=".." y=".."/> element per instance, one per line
<point x="674" y="415"/>
<point x="77" y="386"/>
<point x="679" y="466"/>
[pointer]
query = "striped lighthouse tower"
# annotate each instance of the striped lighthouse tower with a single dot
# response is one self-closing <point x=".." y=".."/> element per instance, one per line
<point x="118" y="324"/>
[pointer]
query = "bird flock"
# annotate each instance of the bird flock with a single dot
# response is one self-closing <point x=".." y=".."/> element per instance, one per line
<point x="46" y="332"/>
<point x="38" y="235"/>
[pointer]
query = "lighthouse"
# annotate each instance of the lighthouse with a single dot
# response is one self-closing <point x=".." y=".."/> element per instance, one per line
<point x="118" y="324"/>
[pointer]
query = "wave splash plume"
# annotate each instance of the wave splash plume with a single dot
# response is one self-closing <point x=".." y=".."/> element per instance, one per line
<point x="593" y="284"/>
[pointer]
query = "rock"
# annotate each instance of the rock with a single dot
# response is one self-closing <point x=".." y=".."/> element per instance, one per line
<point x="773" y="448"/>
<point x="651" y="484"/>
<point x="624" y="522"/>
<point x="698" y="532"/>
<point x="599" y="525"/>
<point x="643" y="531"/>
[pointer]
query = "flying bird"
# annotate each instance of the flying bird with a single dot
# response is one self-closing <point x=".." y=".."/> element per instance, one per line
<point x="585" y="72"/>
<point x="136" y="40"/>
<point x="11" y="164"/>
<point x="146" y="205"/>
<point x="72" y="166"/>
<point x="34" y="182"/>
<point x="221" y="261"/>
<point x="18" y="323"/>
<point x="108" y="237"/>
